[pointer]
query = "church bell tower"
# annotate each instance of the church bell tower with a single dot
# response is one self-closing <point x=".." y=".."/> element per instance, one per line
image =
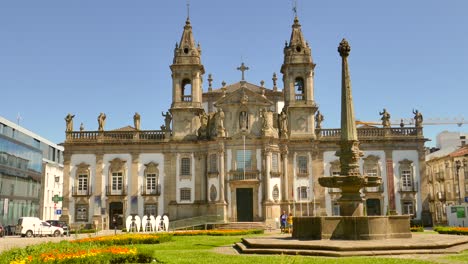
<point x="187" y="72"/>
<point x="298" y="78"/>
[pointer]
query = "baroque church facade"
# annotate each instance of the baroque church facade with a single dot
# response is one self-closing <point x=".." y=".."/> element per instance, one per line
<point x="237" y="153"/>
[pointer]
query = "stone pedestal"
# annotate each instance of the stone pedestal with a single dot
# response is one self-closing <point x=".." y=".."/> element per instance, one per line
<point x="351" y="227"/>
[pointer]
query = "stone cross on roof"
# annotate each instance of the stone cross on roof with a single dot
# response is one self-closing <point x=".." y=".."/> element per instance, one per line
<point x="242" y="68"/>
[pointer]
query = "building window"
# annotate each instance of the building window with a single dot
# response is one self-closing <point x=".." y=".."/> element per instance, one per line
<point x="213" y="163"/>
<point x="336" y="209"/>
<point x="151" y="179"/>
<point x="407" y="208"/>
<point x="185" y="194"/>
<point x="302" y="193"/>
<point x="274" y="162"/>
<point x="406" y="175"/>
<point x="81" y="213"/>
<point x="151" y="209"/>
<point x="82" y="183"/>
<point x="302" y="165"/>
<point x="151" y="183"/>
<point x="244" y="160"/>
<point x="185" y="166"/>
<point x="117" y="181"/>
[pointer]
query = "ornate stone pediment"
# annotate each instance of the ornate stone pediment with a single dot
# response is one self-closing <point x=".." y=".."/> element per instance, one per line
<point x="117" y="164"/>
<point x="244" y="96"/>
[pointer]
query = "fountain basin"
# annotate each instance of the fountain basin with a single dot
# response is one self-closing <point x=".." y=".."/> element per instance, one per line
<point x="351" y="227"/>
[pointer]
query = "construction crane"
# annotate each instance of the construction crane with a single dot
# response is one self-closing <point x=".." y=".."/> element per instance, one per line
<point x="410" y="121"/>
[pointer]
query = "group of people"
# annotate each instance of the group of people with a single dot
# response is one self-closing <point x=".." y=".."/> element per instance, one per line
<point x="286" y="222"/>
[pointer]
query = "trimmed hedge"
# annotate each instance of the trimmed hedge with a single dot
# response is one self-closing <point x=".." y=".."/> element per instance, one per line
<point x="451" y="230"/>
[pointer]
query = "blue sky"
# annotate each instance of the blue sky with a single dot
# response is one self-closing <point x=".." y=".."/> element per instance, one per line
<point x="113" y="56"/>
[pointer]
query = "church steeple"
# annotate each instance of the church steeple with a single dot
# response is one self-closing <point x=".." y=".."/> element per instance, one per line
<point x="187" y="77"/>
<point x="186" y="52"/>
<point x="298" y="78"/>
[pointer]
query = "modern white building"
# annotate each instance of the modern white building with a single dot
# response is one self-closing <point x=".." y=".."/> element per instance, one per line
<point x="31" y="172"/>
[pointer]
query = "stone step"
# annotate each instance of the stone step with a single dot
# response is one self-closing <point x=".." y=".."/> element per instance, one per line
<point x="241" y="225"/>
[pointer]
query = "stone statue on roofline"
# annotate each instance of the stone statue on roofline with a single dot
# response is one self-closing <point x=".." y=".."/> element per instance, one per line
<point x="318" y="120"/>
<point x="101" y="121"/>
<point x="418" y="118"/>
<point x="136" y="121"/>
<point x="69" y="122"/>
<point x="385" y="118"/>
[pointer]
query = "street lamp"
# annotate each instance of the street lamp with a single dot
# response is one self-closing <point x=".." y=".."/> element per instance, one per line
<point x="457" y="171"/>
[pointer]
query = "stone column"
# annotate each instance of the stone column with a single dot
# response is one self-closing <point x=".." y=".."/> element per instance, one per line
<point x="221" y="173"/>
<point x="390" y="182"/>
<point x="66" y="188"/>
<point x="134" y="183"/>
<point x="267" y="174"/>
<point x="285" y="188"/>
<point x="99" y="180"/>
<point x="200" y="181"/>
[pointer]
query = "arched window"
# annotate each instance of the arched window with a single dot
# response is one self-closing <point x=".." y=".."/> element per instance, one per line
<point x="186" y="90"/>
<point x="299" y="88"/>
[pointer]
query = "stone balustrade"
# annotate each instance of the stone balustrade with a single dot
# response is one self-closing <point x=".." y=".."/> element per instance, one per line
<point x="115" y="136"/>
<point x="372" y="133"/>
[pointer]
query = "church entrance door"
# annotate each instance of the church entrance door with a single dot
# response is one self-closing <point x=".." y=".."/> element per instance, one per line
<point x="244" y="198"/>
<point x="373" y="207"/>
<point x="116" y="215"/>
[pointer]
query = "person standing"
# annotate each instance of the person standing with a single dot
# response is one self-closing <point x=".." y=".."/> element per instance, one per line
<point x="289" y="223"/>
<point x="283" y="219"/>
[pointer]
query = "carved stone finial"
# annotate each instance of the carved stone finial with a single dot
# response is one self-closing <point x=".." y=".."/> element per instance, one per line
<point x="344" y="48"/>
<point x="210" y="81"/>
<point x="274" y="81"/>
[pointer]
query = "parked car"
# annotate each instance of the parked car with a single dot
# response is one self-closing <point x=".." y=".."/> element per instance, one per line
<point x="2" y="231"/>
<point x="62" y="224"/>
<point x="33" y="226"/>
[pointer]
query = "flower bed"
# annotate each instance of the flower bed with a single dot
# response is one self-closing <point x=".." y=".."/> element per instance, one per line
<point x="451" y="230"/>
<point x="127" y="239"/>
<point x="218" y="232"/>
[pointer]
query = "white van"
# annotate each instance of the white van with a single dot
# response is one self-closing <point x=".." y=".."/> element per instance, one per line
<point x="33" y="226"/>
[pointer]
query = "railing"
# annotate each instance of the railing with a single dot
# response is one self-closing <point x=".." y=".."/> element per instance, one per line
<point x="241" y="175"/>
<point x="187" y="98"/>
<point x="119" y="192"/>
<point x="77" y="192"/>
<point x="115" y="136"/>
<point x="150" y="192"/>
<point x="412" y="188"/>
<point x="275" y="174"/>
<point x="365" y="132"/>
<point x="195" y="221"/>
<point x="300" y="97"/>
<point x="375" y="189"/>
<point x="334" y="190"/>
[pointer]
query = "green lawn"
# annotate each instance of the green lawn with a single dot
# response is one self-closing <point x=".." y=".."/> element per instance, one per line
<point x="199" y="249"/>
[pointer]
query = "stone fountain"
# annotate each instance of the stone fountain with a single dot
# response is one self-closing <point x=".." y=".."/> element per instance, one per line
<point x="352" y="224"/>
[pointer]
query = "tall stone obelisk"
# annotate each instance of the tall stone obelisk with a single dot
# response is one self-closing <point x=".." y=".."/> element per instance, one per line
<point x="350" y="179"/>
